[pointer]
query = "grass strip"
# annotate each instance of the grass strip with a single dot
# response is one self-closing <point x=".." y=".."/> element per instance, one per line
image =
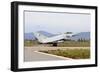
<point x="71" y="53"/>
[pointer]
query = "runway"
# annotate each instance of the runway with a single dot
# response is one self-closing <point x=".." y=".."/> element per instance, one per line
<point x="32" y="54"/>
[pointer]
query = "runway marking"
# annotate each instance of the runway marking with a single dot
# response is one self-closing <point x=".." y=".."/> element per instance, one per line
<point x="54" y="55"/>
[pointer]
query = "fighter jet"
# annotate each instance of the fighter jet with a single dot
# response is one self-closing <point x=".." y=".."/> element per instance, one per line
<point x="43" y="39"/>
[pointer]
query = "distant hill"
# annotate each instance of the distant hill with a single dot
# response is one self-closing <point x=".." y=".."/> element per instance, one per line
<point x="29" y="36"/>
<point x="81" y="35"/>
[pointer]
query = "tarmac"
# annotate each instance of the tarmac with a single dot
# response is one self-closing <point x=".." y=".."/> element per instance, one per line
<point x="33" y="54"/>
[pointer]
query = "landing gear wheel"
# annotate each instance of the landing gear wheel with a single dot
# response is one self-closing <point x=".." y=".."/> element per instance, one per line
<point x="54" y="44"/>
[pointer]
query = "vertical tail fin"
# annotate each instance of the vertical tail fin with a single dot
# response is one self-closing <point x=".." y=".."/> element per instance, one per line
<point x="39" y="36"/>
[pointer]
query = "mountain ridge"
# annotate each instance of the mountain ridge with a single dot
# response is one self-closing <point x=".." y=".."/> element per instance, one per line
<point x="81" y="35"/>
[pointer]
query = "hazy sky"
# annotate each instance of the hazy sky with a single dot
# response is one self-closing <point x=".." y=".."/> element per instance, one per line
<point x="56" y="22"/>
